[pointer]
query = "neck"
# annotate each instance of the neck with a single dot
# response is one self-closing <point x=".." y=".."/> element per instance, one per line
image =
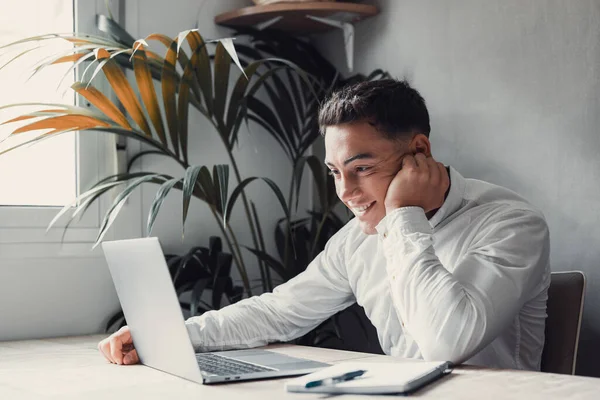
<point x="431" y="213"/>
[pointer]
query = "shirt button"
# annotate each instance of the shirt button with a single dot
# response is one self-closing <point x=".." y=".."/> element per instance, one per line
<point x="393" y="277"/>
<point x="385" y="234"/>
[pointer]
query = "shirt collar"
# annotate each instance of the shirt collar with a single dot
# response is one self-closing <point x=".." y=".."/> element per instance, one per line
<point x="454" y="199"/>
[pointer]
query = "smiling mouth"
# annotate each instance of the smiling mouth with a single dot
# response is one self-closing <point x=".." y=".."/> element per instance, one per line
<point x="359" y="211"/>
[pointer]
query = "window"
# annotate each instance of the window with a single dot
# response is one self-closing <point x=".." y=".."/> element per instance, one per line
<point x="48" y="175"/>
<point x="44" y="174"/>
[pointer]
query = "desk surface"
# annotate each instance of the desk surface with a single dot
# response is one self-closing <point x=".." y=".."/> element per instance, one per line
<point x="72" y="368"/>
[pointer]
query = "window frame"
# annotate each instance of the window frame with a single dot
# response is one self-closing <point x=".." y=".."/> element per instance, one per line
<point x="23" y="228"/>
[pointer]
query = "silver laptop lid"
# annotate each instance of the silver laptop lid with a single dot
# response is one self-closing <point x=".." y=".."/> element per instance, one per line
<point x="143" y="283"/>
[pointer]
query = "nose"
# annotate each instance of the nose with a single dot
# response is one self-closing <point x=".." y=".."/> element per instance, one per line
<point x="346" y="188"/>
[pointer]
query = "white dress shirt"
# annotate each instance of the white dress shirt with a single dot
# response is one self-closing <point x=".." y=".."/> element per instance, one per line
<point x="468" y="285"/>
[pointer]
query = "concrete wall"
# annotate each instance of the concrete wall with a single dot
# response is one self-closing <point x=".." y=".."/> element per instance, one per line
<point x="512" y="87"/>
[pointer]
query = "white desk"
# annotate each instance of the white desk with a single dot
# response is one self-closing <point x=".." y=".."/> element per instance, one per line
<point x="72" y="368"/>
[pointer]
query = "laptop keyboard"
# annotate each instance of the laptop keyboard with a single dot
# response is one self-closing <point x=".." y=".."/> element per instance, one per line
<point x="223" y="366"/>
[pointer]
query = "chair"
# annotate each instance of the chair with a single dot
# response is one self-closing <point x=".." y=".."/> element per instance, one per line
<point x="564" y="309"/>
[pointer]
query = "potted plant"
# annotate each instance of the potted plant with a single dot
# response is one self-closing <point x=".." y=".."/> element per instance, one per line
<point x="289" y="72"/>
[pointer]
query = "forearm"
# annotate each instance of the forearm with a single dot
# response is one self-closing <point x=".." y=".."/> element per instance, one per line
<point x="249" y="323"/>
<point x="292" y="310"/>
<point x="452" y="315"/>
<point x="439" y="313"/>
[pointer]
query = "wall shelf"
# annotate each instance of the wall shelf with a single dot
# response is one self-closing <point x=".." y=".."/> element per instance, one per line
<point x="291" y="17"/>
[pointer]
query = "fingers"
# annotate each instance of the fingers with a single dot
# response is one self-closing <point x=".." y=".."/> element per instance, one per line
<point x="131" y="358"/>
<point x="115" y="347"/>
<point x="409" y="162"/>
<point x="104" y="347"/>
<point x="421" y="161"/>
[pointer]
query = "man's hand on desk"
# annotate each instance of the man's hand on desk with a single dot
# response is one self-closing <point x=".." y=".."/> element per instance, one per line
<point x="118" y="348"/>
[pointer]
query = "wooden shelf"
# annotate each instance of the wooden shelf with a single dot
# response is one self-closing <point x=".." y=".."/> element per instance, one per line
<point x="294" y="15"/>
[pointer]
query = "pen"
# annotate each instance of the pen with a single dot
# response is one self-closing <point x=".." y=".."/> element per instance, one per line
<point x="335" y="379"/>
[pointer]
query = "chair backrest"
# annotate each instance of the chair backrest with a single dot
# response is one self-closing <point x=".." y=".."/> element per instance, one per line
<point x="564" y="309"/>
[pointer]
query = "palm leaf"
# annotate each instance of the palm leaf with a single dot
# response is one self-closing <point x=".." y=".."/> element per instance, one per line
<point x="182" y="108"/>
<point x="169" y="80"/>
<point x="102" y="61"/>
<point x="228" y="44"/>
<point x="171" y="46"/>
<point x="221" y="81"/>
<point x="63" y="122"/>
<point x="112" y="28"/>
<point x="271" y="262"/>
<point x="98" y="188"/>
<point x="70" y="58"/>
<point x="142" y="154"/>
<point x="318" y="176"/>
<point x="237" y="94"/>
<point x="139" y="136"/>
<point x="72" y="67"/>
<point x="123" y="90"/>
<point x="284" y="146"/>
<point x="189" y="183"/>
<point x="161" y="194"/>
<point x="118" y="204"/>
<point x="203" y="70"/>
<point x="76" y="38"/>
<point x="100" y="101"/>
<point x="221" y="183"/>
<point x="238" y="190"/>
<point x="145" y="86"/>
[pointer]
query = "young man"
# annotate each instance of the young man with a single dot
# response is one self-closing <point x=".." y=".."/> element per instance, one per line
<point x="446" y="268"/>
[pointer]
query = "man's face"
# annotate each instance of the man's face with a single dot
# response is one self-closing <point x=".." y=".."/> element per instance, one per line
<point x="363" y="163"/>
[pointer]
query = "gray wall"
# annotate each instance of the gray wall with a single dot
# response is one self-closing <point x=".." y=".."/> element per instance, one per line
<point x="512" y="87"/>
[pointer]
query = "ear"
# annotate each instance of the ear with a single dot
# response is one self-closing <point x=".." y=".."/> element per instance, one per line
<point x="420" y="144"/>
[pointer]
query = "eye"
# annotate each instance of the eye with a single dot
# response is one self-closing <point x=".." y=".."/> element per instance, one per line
<point x="333" y="172"/>
<point x="362" y="169"/>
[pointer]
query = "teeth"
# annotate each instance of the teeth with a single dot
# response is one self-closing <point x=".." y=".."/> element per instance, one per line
<point x="361" y="209"/>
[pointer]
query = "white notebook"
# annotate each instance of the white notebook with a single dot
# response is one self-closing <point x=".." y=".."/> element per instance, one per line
<point x="388" y="377"/>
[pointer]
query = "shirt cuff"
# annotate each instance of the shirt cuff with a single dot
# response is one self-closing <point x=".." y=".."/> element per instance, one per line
<point x="407" y="219"/>
<point x="405" y="232"/>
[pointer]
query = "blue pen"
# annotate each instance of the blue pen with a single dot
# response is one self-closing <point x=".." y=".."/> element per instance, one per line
<point x="336" y="379"/>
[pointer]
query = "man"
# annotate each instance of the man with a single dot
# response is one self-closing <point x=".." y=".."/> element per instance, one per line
<point x="446" y="268"/>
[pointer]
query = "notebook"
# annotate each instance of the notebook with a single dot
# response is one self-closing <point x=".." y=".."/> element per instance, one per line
<point x="378" y="378"/>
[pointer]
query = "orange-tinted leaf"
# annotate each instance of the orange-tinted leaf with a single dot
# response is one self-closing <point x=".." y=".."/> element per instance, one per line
<point x="169" y="89"/>
<point x="101" y="102"/>
<point x="70" y="58"/>
<point x="167" y="41"/>
<point x="145" y="85"/>
<point x="33" y="115"/>
<point x="63" y="122"/>
<point x="123" y="90"/>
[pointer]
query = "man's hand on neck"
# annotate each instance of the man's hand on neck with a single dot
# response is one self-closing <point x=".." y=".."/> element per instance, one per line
<point x="421" y="182"/>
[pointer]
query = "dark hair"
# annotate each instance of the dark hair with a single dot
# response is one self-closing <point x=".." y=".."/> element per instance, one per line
<point x="391" y="106"/>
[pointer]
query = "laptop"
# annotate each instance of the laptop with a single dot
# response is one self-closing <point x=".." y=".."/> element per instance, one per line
<point x="151" y="307"/>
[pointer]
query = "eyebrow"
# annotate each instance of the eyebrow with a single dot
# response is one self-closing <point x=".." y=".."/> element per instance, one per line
<point x="360" y="156"/>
